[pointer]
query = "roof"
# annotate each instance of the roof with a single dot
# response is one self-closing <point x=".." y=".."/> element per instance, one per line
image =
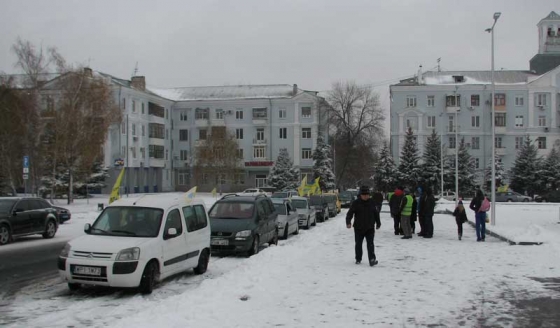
<point x="228" y="92"/>
<point x="21" y="81"/>
<point x="551" y="16"/>
<point x="471" y="77"/>
<point x="163" y="201"/>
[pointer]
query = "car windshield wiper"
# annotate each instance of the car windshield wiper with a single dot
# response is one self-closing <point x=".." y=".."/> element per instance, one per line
<point x="130" y="233"/>
<point x="100" y="230"/>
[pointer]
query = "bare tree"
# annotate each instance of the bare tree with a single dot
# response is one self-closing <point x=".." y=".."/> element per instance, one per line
<point x="356" y="114"/>
<point x="217" y="157"/>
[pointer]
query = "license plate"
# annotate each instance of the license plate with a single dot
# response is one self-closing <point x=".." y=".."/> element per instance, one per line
<point x="219" y="242"/>
<point x="90" y="271"/>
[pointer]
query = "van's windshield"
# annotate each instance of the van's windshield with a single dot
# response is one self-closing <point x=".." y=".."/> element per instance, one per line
<point x="128" y="221"/>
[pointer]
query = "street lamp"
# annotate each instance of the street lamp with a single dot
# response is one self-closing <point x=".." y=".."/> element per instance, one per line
<point x="457" y="109"/>
<point x="441" y="156"/>
<point x="493" y="182"/>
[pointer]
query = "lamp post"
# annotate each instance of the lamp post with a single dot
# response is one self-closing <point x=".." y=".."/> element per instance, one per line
<point x="457" y="109"/>
<point x="441" y="156"/>
<point x="493" y="182"/>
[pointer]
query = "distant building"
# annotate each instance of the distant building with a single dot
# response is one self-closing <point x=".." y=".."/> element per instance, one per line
<point x="526" y="104"/>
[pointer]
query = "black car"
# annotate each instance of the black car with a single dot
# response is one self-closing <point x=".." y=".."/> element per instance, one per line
<point x="321" y="207"/>
<point x="241" y="224"/>
<point x="346" y="198"/>
<point x="26" y="216"/>
<point x="553" y="197"/>
<point x="62" y="214"/>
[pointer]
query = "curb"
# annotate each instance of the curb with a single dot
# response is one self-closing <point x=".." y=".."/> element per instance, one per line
<point x="493" y="234"/>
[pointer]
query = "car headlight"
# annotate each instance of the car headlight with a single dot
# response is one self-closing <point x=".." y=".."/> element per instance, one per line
<point x="65" y="251"/>
<point x="129" y="254"/>
<point x="244" y="233"/>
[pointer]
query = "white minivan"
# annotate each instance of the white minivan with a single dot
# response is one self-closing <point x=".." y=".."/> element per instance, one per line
<point x="137" y="242"/>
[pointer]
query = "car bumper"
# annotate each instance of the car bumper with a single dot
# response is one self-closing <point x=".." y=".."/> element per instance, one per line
<point x="234" y="245"/>
<point x="64" y="218"/>
<point x="113" y="274"/>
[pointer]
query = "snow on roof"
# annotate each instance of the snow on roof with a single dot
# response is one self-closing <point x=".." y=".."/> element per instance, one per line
<point x="472" y="77"/>
<point x="163" y="201"/>
<point x="227" y="92"/>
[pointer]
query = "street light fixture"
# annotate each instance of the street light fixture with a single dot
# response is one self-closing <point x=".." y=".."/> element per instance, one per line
<point x="493" y="182"/>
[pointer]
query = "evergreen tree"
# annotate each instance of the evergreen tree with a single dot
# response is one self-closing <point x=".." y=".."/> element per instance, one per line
<point x="431" y="168"/>
<point x="550" y="171"/>
<point x="501" y="174"/>
<point x="283" y="174"/>
<point x="467" y="178"/>
<point x="322" y="167"/>
<point x="384" y="174"/>
<point x="524" y="173"/>
<point x="409" y="170"/>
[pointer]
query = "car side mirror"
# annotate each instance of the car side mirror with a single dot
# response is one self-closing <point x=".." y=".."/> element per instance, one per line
<point x="17" y="210"/>
<point x="87" y="228"/>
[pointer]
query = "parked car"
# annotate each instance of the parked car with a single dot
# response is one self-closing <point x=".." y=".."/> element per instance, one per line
<point x="241" y="224"/>
<point x="511" y="196"/>
<point x="447" y="195"/>
<point x="306" y="213"/>
<point x="26" y="216"/>
<point x="268" y="190"/>
<point x="346" y="198"/>
<point x="62" y="214"/>
<point x="552" y="197"/>
<point x="138" y="242"/>
<point x="284" y="194"/>
<point x="321" y="206"/>
<point x="333" y="204"/>
<point x="252" y="192"/>
<point x="287" y="217"/>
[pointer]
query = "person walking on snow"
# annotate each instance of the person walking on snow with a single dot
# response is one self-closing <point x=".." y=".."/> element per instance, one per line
<point x="460" y="218"/>
<point x="394" y="205"/>
<point x="479" y="214"/>
<point x="378" y="200"/>
<point x="427" y="209"/>
<point x="366" y="220"/>
<point x="407" y="202"/>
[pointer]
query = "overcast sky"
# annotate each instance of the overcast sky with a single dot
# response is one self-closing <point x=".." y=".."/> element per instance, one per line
<point x="311" y="43"/>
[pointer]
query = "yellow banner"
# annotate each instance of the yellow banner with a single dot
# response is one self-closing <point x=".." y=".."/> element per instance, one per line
<point x="503" y="188"/>
<point x="115" y="194"/>
<point x="302" y="186"/>
<point x="214" y="193"/>
<point x="190" y="194"/>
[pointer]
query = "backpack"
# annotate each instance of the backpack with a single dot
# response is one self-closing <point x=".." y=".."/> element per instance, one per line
<point x="485" y="206"/>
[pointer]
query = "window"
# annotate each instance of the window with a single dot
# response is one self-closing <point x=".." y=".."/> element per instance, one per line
<point x="519" y="101"/>
<point x="143" y="152"/>
<point x="475" y="121"/>
<point x="282" y="113"/>
<point x="182" y="179"/>
<point x="475" y="143"/>
<point x="219" y="114"/>
<point x="519" y="121"/>
<point x="306" y="153"/>
<point x="431" y="101"/>
<point x="155" y="151"/>
<point x="498" y="142"/>
<point x="306" y="133"/>
<point x="541" y="99"/>
<point x="183" y="135"/>
<point x="201" y="114"/>
<point x="123" y="127"/>
<point x="541" y="142"/>
<point x="260" y="180"/>
<point x="155" y="110"/>
<point x="260" y="134"/>
<point x="204" y="178"/>
<point x="143" y="130"/>
<point x="184" y="155"/>
<point x="258" y="152"/>
<point x="166" y="134"/>
<point x="283" y="133"/>
<point x="518" y="142"/>
<point x="166" y="113"/>
<point x="167" y="157"/>
<point x="202" y="133"/>
<point x="259" y="113"/>
<point x="220" y="179"/>
<point x="500" y="119"/>
<point x="134" y="106"/>
<point x="410" y="101"/>
<point x="183" y="115"/>
<point x="239" y="114"/>
<point x="306" y="112"/>
<point x="451" y="123"/>
<point x="453" y="101"/>
<point x="477" y="163"/>
<point x="133" y="151"/>
<point x="475" y="100"/>
<point x="499" y="99"/>
<point x="411" y="123"/>
<point x="49" y="101"/>
<point x="542" y="120"/>
<point x="143" y="111"/>
<point x="431" y="121"/>
<point x="452" y="142"/>
<point x="124" y="103"/>
<point x="156" y="131"/>
<point x="239" y="134"/>
<point x="239" y="178"/>
<point x="123" y="151"/>
<point x="240" y="153"/>
<point x="173" y="221"/>
<point x="133" y="129"/>
<point x="201" y="220"/>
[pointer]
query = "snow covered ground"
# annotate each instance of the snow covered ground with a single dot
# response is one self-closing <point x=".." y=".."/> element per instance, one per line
<point x="311" y="280"/>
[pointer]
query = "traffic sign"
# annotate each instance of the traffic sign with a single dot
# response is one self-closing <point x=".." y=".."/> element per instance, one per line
<point x="25" y="161"/>
<point x="25" y="177"/>
<point x="25" y="170"/>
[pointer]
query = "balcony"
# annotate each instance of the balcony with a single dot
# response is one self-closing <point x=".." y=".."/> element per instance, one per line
<point x="451" y="151"/>
<point x="156" y="141"/>
<point x="260" y="116"/>
<point x="157" y="162"/>
<point x="453" y="104"/>
<point x="202" y="122"/>
<point x="500" y="129"/>
<point x="501" y="151"/>
<point x="257" y="141"/>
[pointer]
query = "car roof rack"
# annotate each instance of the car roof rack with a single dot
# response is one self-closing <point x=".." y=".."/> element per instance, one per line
<point x="229" y="196"/>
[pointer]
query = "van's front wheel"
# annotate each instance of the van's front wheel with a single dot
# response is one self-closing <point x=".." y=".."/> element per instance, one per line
<point x="149" y="278"/>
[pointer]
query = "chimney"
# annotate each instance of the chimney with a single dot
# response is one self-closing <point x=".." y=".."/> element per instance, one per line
<point x="88" y="72"/>
<point x="294" y="92"/>
<point x="138" y="82"/>
<point x="420" y="78"/>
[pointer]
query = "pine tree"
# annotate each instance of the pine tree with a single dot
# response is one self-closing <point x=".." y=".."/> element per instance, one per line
<point x="501" y="174"/>
<point x="283" y="175"/>
<point x="523" y="174"/>
<point x="550" y="171"/>
<point x="467" y="178"/>
<point x="322" y="167"/>
<point x="431" y="168"/>
<point x="409" y="170"/>
<point x="384" y="176"/>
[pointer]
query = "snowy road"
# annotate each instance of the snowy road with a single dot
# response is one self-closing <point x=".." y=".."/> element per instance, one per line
<point x="311" y="281"/>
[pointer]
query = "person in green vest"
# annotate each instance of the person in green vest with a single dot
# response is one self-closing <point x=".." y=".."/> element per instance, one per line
<point x="405" y="212"/>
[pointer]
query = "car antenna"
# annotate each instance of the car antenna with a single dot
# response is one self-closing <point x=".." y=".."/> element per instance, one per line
<point x="139" y="199"/>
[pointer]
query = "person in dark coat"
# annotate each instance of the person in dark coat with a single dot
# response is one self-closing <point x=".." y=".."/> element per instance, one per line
<point x="422" y="197"/>
<point x="395" y="206"/>
<point x="480" y="216"/>
<point x="366" y="220"/>
<point x="428" y="212"/>
<point x="460" y="218"/>
<point x="377" y="198"/>
<point x="414" y="214"/>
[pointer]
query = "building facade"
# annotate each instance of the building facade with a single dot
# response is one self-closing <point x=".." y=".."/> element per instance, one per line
<point x="457" y="105"/>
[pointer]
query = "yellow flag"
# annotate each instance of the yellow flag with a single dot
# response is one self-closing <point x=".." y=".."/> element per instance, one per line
<point x="316" y="187"/>
<point x="115" y="195"/>
<point x="190" y="194"/>
<point x="302" y="186"/>
<point x="503" y="188"/>
<point x="214" y="193"/>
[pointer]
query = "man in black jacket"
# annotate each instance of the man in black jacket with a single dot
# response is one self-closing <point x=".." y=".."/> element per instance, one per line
<point x="366" y="220"/>
<point x="377" y="198"/>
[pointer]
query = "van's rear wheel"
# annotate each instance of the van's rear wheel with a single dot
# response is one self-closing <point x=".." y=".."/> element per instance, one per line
<point x="254" y="247"/>
<point x="286" y="228"/>
<point x="203" y="260"/>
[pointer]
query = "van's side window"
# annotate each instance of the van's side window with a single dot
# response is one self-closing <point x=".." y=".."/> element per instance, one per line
<point x="202" y="220"/>
<point x="174" y="221"/>
<point x="190" y="218"/>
